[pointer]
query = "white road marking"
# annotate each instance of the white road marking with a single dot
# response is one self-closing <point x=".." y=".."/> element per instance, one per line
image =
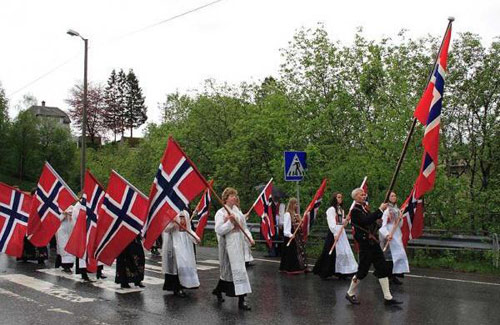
<point x="46" y="287"/>
<point x="216" y="262"/>
<point x="59" y="310"/>
<point x="453" y="280"/>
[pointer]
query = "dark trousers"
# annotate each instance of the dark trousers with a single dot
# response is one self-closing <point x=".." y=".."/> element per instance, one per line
<point x="368" y="255"/>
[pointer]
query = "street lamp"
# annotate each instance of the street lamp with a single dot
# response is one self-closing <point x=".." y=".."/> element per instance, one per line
<point x="84" y="117"/>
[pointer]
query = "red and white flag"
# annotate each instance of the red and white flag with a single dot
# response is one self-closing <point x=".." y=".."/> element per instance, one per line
<point x="82" y="240"/>
<point x="313" y="209"/>
<point x="176" y="183"/>
<point x="120" y="219"/>
<point x="14" y="212"/>
<point x="263" y="207"/>
<point x="413" y="217"/>
<point x="51" y="199"/>
<point x="203" y="211"/>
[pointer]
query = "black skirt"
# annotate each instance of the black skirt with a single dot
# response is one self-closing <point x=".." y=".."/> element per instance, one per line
<point x="32" y="253"/>
<point x="226" y="287"/>
<point x="130" y="264"/>
<point x="172" y="282"/>
<point x="325" y="265"/>
<point x="293" y="257"/>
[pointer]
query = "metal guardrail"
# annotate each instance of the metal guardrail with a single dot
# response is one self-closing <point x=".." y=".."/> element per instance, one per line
<point x="426" y="241"/>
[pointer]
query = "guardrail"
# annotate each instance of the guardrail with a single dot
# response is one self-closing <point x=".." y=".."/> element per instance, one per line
<point x="426" y="241"/>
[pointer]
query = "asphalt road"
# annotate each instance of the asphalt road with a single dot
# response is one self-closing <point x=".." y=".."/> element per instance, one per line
<point x="39" y="294"/>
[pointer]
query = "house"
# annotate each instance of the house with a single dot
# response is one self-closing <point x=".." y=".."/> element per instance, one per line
<point x="53" y="113"/>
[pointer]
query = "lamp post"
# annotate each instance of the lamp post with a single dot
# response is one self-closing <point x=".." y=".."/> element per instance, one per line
<point x="84" y="115"/>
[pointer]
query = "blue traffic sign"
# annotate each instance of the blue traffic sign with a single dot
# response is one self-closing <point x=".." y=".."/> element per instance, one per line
<point x="295" y="165"/>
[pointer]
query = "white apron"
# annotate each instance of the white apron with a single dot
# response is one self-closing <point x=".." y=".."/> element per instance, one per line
<point x="397" y="250"/>
<point x="344" y="258"/>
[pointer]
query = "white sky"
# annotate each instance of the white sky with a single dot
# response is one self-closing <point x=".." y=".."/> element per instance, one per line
<point x="230" y="41"/>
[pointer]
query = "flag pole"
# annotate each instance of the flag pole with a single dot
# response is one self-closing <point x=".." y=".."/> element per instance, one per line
<point x="188" y="231"/>
<point x="394" y="227"/>
<point x="198" y="205"/>
<point x="412" y="128"/>
<point x="250" y="210"/>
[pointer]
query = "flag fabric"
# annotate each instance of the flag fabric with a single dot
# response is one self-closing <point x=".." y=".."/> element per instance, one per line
<point x="120" y="219"/>
<point x="82" y="240"/>
<point x="14" y="212"/>
<point x="413" y="217"/>
<point x="176" y="183"/>
<point x="428" y="112"/>
<point x="203" y="211"/>
<point x="313" y="209"/>
<point x="263" y="207"/>
<point x="51" y="198"/>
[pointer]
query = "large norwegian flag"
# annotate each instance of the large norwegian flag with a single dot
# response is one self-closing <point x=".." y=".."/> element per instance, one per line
<point x="203" y="211"/>
<point x="313" y="209"/>
<point x="14" y="212"/>
<point x="263" y="207"/>
<point x="413" y="217"/>
<point x="120" y="219"/>
<point x="176" y="183"/>
<point x="52" y="197"/>
<point x="428" y="112"/>
<point x="82" y="240"/>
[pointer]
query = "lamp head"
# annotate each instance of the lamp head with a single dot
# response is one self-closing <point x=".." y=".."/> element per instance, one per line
<point x="72" y="32"/>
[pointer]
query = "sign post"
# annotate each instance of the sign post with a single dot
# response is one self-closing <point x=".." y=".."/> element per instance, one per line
<point x="295" y="167"/>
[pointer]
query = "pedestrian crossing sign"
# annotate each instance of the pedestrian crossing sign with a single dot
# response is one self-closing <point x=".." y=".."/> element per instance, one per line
<point x="295" y="165"/>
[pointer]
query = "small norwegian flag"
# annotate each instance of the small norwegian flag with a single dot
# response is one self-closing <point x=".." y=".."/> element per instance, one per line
<point x="51" y="199"/>
<point x="14" y="212"/>
<point x="203" y="211"/>
<point x="313" y="209"/>
<point x="263" y="207"/>
<point x="177" y="182"/>
<point x="120" y="219"/>
<point x="82" y="240"/>
<point x="413" y="217"/>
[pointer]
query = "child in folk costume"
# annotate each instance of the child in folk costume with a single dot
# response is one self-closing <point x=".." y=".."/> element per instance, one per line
<point x="233" y="279"/>
<point x="293" y="258"/>
<point x="130" y="265"/>
<point x="65" y="259"/>
<point x="178" y="260"/>
<point x="341" y="262"/>
<point x="395" y="253"/>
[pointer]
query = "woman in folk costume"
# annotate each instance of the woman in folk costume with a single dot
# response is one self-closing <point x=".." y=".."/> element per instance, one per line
<point x="293" y="258"/>
<point x="341" y="262"/>
<point x="30" y="251"/>
<point x="178" y="260"/>
<point x="65" y="259"/>
<point x="233" y="279"/>
<point x="130" y="265"/>
<point x="395" y="253"/>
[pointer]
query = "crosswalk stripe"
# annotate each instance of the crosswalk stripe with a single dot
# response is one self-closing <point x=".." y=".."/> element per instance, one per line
<point x="156" y="268"/>
<point x="46" y="287"/>
<point x="216" y="262"/>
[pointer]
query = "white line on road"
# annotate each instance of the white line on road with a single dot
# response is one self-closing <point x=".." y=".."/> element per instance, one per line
<point x="46" y="287"/>
<point x="453" y="280"/>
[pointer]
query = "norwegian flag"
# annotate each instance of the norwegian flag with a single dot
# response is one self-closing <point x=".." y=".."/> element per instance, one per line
<point x="428" y="112"/>
<point x="413" y="217"/>
<point x="14" y="212"/>
<point x="82" y="240"/>
<point x="263" y="207"/>
<point x="52" y="197"/>
<point x="313" y="209"/>
<point x="177" y="182"/>
<point x="120" y="219"/>
<point x="203" y="211"/>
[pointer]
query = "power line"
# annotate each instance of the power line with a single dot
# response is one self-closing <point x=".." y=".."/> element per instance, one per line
<point x="116" y="39"/>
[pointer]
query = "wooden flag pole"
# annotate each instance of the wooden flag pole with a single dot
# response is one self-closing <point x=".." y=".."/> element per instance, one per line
<point x="298" y="227"/>
<point x="257" y="200"/>
<point x="412" y="128"/>
<point x="198" y="205"/>
<point x="188" y="231"/>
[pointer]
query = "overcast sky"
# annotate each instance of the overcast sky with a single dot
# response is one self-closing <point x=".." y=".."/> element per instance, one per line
<point x="230" y="41"/>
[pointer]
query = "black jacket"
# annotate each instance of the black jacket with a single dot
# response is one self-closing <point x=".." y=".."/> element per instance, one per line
<point x="365" y="225"/>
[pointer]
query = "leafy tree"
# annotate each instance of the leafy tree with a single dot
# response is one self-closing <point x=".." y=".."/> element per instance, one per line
<point x="4" y="124"/>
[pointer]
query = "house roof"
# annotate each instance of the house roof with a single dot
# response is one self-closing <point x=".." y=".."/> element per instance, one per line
<point x="49" y="111"/>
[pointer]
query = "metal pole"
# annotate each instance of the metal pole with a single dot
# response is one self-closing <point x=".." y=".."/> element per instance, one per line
<point x="298" y="196"/>
<point x="84" y="119"/>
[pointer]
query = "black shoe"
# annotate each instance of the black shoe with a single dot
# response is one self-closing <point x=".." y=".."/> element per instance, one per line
<point x="100" y="276"/>
<point x="396" y="281"/>
<point x="352" y="299"/>
<point x="243" y="305"/>
<point x="41" y="261"/>
<point x="124" y="286"/>
<point x="140" y="285"/>
<point x="392" y="302"/>
<point x="248" y="264"/>
<point x="180" y="293"/>
<point x="66" y="270"/>
<point x="219" y="296"/>
<point x="86" y="278"/>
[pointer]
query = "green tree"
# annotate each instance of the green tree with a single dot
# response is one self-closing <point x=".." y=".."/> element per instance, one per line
<point x="135" y="111"/>
<point x="115" y="104"/>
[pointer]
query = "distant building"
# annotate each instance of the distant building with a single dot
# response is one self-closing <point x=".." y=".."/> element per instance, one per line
<point x="52" y="113"/>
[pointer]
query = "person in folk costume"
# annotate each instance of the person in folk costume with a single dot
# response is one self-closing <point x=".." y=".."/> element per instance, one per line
<point x="65" y="259"/>
<point x="370" y="252"/>
<point x="293" y="258"/>
<point x="248" y="251"/>
<point x="178" y="260"/>
<point x="81" y="263"/>
<point x="130" y="265"/>
<point x="341" y="262"/>
<point x="395" y="254"/>
<point x="233" y="280"/>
